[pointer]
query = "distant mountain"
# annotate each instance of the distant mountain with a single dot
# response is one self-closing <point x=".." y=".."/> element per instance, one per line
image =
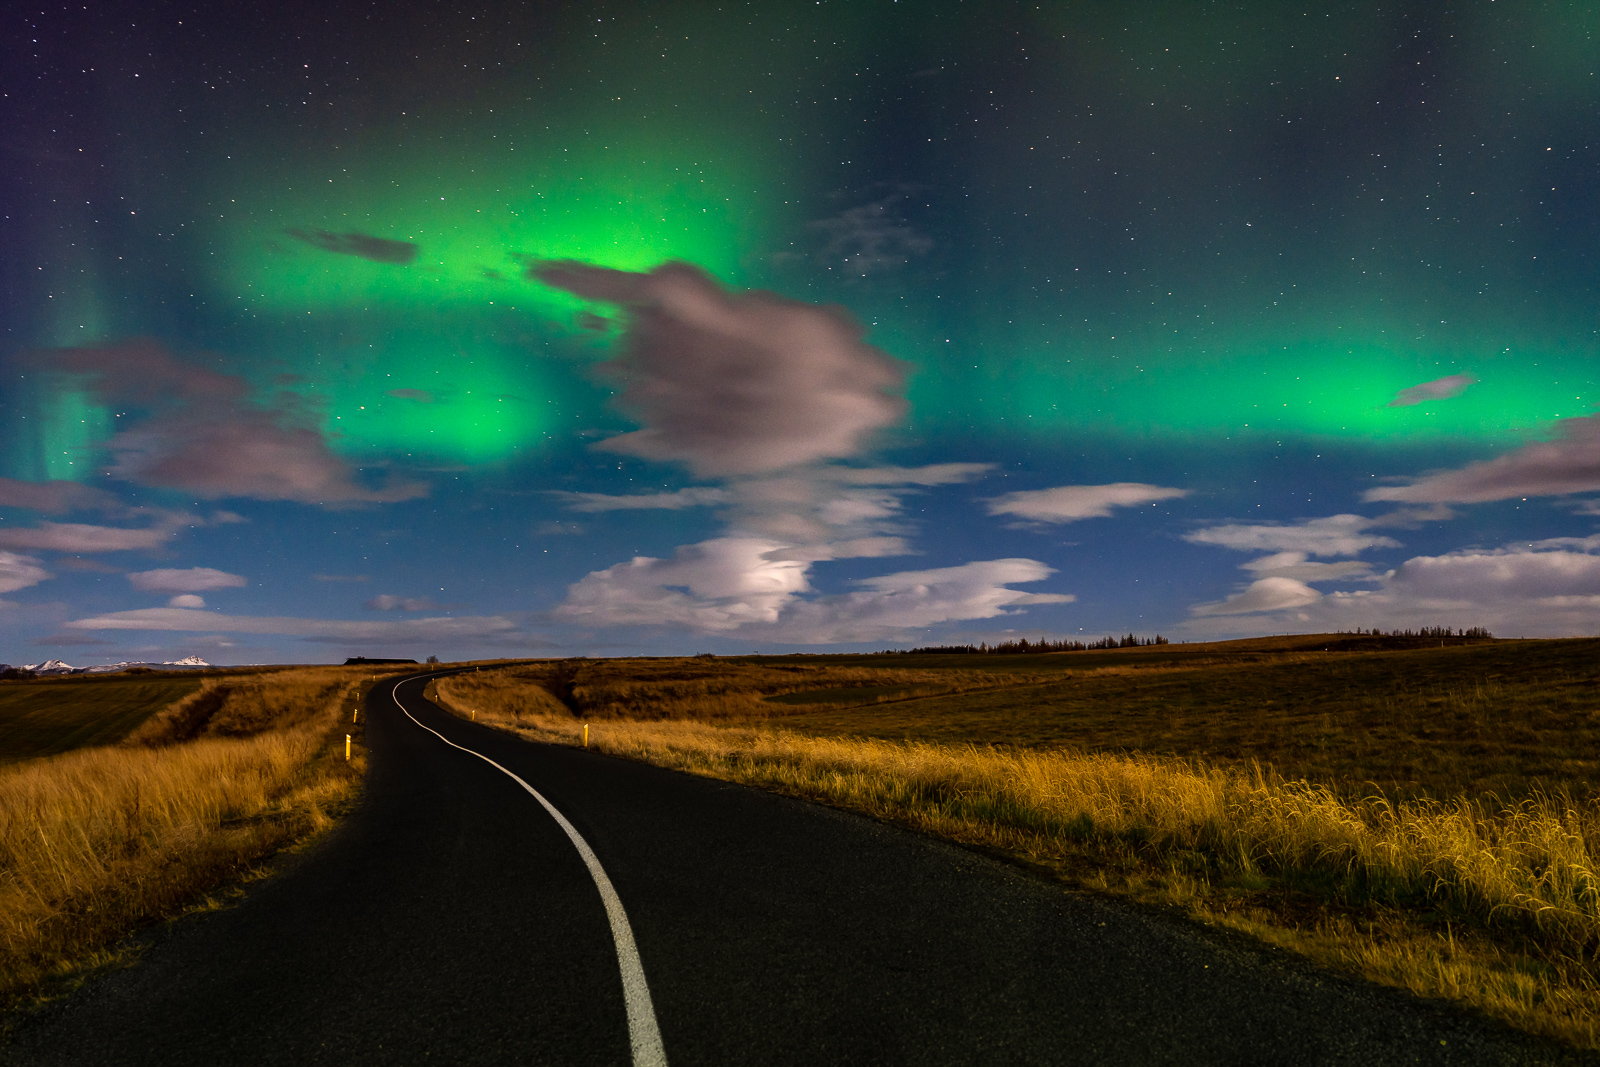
<point x="55" y="666"/>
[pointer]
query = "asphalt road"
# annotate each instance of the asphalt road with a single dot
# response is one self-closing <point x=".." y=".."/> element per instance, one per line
<point x="451" y="919"/>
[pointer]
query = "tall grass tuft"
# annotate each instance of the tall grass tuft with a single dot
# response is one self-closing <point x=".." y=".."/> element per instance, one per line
<point x="95" y="841"/>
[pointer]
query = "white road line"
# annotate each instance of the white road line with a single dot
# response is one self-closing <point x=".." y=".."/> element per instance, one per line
<point x="642" y="1028"/>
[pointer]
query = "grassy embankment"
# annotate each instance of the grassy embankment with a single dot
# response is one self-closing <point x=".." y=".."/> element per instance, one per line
<point x="95" y="841"/>
<point x="1429" y="819"/>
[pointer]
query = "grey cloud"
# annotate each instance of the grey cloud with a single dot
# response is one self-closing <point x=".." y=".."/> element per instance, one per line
<point x="364" y="245"/>
<point x="420" y="395"/>
<point x="1264" y="594"/>
<point x="385" y="602"/>
<point x="204" y="435"/>
<point x="54" y="497"/>
<point x="193" y="621"/>
<point x="692" y="497"/>
<point x="1438" y="389"/>
<point x="78" y="537"/>
<point x="736" y="383"/>
<point x="1294" y="565"/>
<point x="1335" y="535"/>
<point x="19" y="572"/>
<point x="1070" y="503"/>
<point x="187" y="580"/>
<point x="871" y="238"/>
<point x="1568" y="464"/>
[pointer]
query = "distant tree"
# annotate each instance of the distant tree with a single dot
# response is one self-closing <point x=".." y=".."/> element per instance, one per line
<point x="433" y="659"/>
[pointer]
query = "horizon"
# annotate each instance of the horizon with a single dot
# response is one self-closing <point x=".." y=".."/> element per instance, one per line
<point x="657" y="330"/>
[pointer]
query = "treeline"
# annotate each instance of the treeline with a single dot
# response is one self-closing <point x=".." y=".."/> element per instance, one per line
<point x="1008" y="648"/>
<point x="1426" y="631"/>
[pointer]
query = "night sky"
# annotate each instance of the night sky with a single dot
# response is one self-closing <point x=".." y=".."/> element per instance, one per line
<point x="648" y="328"/>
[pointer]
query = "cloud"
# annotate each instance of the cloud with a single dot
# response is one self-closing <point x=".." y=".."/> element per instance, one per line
<point x="746" y="585"/>
<point x="366" y="246"/>
<point x="385" y="602"/>
<point x="736" y="383"/>
<point x="191" y="621"/>
<point x="54" y="497"/>
<point x="420" y="395"/>
<point x="341" y="577"/>
<point x="1070" y="503"/>
<point x="711" y="587"/>
<point x="187" y="600"/>
<point x="203" y="435"/>
<point x="1336" y="535"/>
<point x="77" y="537"/>
<point x="68" y="641"/>
<point x="1438" y="389"/>
<point x="692" y="497"/>
<point x="1537" y="589"/>
<point x="19" y="572"/>
<point x="1265" y="594"/>
<point x="190" y="580"/>
<point x="1568" y="464"/>
<point x="933" y="474"/>
<point x="870" y="238"/>
<point x="1294" y="565"/>
<point x="558" y="529"/>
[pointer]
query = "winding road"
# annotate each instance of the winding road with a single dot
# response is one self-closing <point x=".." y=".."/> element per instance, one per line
<point x="497" y="902"/>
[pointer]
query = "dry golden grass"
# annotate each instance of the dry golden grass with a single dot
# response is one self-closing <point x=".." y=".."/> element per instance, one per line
<point x="1494" y="906"/>
<point x="705" y="690"/>
<point x="96" y="841"/>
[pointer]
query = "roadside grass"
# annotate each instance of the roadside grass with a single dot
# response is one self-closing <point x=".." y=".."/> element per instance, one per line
<point x="96" y="842"/>
<point x="1491" y="901"/>
<point x="46" y="717"/>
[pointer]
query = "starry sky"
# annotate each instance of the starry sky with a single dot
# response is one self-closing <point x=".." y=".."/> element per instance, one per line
<point x="655" y="328"/>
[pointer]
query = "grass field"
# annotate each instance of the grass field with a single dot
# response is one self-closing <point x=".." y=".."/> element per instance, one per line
<point x="48" y="716"/>
<point x="1423" y="816"/>
<point x="98" y="840"/>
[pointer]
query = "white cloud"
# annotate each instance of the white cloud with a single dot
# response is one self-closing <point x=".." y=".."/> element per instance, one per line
<point x="1336" y="535"/>
<point x="78" y="537"/>
<point x="187" y="600"/>
<point x="711" y="587"/>
<point x="736" y="383"/>
<point x="1265" y="594"/>
<point x="747" y="585"/>
<point x="189" y="580"/>
<point x="1568" y="464"/>
<point x="1438" y="389"/>
<point x="19" y="572"/>
<point x="1070" y="503"/>
<point x="692" y="497"/>
<point x="1294" y="565"/>
<point x="894" y="604"/>
<point x="191" y="621"/>
<point x="1528" y="590"/>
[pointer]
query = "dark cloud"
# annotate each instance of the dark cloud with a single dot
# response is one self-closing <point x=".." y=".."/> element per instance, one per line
<point x="420" y="395"/>
<point x="385" y="602"/>
<point x="364" y="245"/>
<point x="54" y="497"/>
<point x="68" y="641"/>
<point x="203" y="433"/>
<point x="1569" y="464"/>
<point x="736" y="383"/>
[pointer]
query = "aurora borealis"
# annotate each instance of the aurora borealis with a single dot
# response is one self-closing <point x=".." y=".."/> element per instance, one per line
<point x="679" y="327"/>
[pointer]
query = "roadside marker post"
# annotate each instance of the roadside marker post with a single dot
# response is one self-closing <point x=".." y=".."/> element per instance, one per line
<point x="585" y="735"/>
<point x="474" y="714"/>
<point x="347" y="748"/>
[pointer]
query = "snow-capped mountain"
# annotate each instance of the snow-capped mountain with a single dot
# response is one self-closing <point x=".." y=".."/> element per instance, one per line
<point x="55" y="666"/>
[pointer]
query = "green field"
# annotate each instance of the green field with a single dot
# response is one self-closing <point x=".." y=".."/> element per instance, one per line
<point x="46" y="716"/>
